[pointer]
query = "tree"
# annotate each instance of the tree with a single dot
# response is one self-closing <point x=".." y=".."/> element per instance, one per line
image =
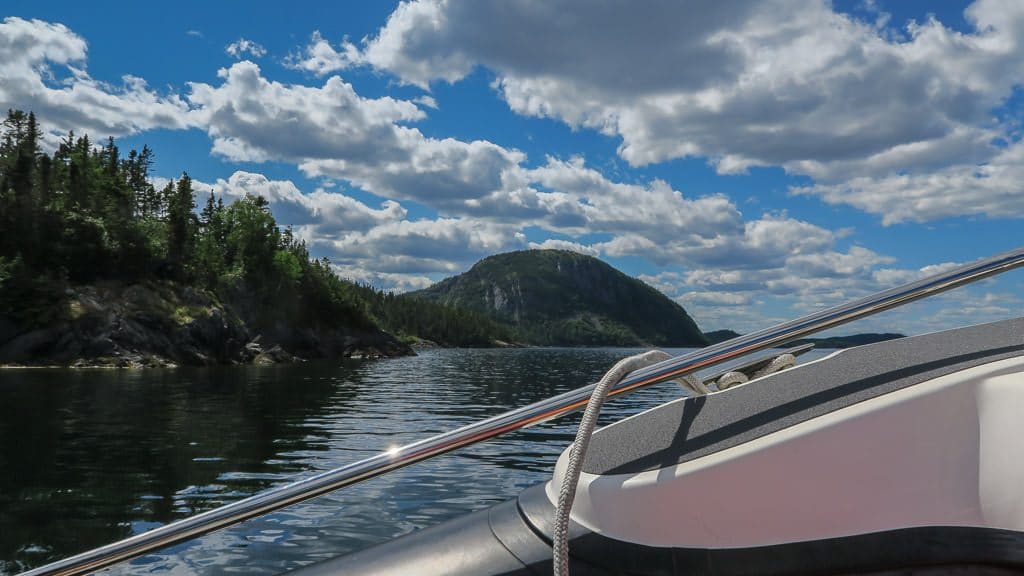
<point x="252" y="238"/>
<point x="180" y="223"/>
<point x="210" y="246"/>
<point x="20" y="151"/>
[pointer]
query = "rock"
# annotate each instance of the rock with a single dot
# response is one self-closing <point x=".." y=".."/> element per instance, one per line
<point x="151" y="324"/>
<point x="424" y="344"/>
<point x="29" y="345"/>
<point x="275" y="355"/>
<point x="251" y="350"/>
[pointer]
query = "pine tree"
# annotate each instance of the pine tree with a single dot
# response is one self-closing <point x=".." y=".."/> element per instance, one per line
<point x="180" y="220"/>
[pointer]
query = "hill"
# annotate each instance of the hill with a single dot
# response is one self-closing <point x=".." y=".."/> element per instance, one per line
<point x="716" y="336"/>
<point x="557" y="297"/>
<point x="100" y="267"/>
<point x="846" y="341"/>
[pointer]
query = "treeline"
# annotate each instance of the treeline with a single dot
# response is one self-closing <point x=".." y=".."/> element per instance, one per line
<point x="406" y="315"/>
<point x="90" y="213"/>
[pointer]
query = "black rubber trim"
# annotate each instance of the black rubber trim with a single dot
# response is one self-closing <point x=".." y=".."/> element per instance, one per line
<point x="464" y="546"/>
<point x="908" y="549"/>
<point x="690" y="428"/>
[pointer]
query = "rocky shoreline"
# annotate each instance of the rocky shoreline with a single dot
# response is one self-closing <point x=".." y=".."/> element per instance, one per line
<point x="163" y="324"/>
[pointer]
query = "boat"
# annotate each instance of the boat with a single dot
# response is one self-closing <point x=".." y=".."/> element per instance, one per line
<point x="900" y="457"/>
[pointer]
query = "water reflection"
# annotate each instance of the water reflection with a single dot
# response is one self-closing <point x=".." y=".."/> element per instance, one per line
<point x="92" y="456"/>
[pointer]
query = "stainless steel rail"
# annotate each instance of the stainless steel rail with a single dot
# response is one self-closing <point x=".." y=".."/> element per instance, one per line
<point x="522" y="417"/>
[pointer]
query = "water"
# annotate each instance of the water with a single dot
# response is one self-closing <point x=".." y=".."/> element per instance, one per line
<point x="88" y="457"/>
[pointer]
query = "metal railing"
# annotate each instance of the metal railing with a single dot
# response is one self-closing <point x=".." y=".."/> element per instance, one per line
<point x="529" y="415"/>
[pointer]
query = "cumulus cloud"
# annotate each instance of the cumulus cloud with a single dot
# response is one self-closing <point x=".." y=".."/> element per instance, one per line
<point x="994" y="189"/>
<point x="320" y="58"/>
<point x="723" y="294"/>
<point x="559" y="244"/>
<point x="467" y="240"/>
<point x="43" y="69"/>
<point x="788" y="83"/>
<point x="765" y="243"/>
<point x="253" y="119"/>
<point x="402" y="254"/>
<point x="330" y="212"/>
<point x="331" y="131"/>
<point x="244" y="47"/>
<point x="383" y="280"/>
<point x="742" y="82"/>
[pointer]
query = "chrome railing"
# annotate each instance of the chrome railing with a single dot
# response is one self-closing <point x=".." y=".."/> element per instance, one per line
<point x="535" y="413"/>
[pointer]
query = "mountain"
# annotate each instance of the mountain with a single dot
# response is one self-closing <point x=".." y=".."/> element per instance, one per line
<point x="716" y="336"/>
<point x="557" y="297"/>
<point x="846" y="341"/>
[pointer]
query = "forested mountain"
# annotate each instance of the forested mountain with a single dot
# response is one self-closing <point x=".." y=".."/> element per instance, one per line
<point x="558" y="297"/>
<point x="848" y="341"/>
<point x="716" y="336"/>
<point x="97" y="265"/>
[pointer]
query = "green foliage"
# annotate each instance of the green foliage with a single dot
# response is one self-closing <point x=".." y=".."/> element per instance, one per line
<point x="102" y="218"/>
<point x="407" y="315"/>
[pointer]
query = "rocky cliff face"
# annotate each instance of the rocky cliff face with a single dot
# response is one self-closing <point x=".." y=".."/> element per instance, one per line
<point x="164" y="324"/>
<point x="564" y="298"/>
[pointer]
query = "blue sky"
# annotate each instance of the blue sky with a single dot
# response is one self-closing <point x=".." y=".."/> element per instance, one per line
<point x="753" y="160"/>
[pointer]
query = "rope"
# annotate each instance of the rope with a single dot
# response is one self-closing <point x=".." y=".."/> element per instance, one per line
<point x="730" y="379"/>
<point x="779" y="363"/>
<point x="691" y="382"/>
<point x="694" y="384"/>
<point x="579" y="449"/>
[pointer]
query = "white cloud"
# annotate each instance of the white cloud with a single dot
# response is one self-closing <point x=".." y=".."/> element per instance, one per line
<point x="43" y="69"/>
<point x="391" y="282"/>
<point x="779" y="82"/>
<point x="330" y="212"/>
<point x="427" y="101"/>
<point x="994" y="189"/>
<point x="558" y="244"/>
<point x="403" y="255"/>
<point x="331" y="131"/>
<point x="788" y="83"/>
<point x="253" y="119"/>
<point x="243" y="47"/>
<point x="765" y="243"/>
<point x="457" y="239"/>
<point x="320" y="58"/>
<point x="715" y="298"/>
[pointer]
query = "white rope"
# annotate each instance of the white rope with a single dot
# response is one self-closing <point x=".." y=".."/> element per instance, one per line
<point x="693" y="384"/>
<point x="567" y="492"/>
<point x="730" y="379"/>
<point x="579" y="450"/>
<point x="779" y="363"/>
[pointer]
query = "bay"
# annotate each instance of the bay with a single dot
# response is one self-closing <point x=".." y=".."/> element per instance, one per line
<point x="88" y="457"/>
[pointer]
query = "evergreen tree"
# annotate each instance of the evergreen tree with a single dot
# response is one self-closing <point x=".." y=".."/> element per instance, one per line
<point x="86" y="214"/>
<point x="180" y="223"/>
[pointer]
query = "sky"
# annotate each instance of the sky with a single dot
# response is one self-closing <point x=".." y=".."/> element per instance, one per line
<point x="753" y="160"/>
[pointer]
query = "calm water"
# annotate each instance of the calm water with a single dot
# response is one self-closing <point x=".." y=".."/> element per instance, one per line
<point x="91" y="456"/>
